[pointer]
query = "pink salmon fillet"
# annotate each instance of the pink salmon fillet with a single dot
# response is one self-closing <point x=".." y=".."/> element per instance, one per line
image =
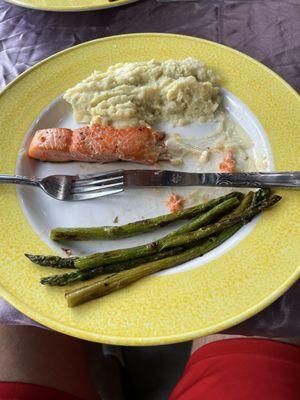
<point x="97" y="143"/>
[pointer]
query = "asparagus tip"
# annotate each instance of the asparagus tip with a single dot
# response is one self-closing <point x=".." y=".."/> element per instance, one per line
<point x="31" y="257"/>
<point x="51" y="280"/>
<point x="276" y="198"/>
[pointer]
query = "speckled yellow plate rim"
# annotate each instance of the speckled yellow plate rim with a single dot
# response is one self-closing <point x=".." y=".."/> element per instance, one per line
<point x="159" y="309"/>
<point x="69" y="5"/>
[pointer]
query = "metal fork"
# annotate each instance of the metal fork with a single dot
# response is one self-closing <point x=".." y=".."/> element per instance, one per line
<point x="73" y="187"/>
<point x="76" y="187"/>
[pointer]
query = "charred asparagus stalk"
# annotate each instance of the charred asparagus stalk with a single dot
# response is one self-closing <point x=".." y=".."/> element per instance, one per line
<point x="119" y="261"/>
<point x="261" y="195"/>
<point x="110" y="257"/>
<point x="134" y="228"/>
<point x="207" y="218"/>
<point x="122" y="279"/>
<point x="98" y="259"/>
<point x="52" y="261"/>
<point x="246" y="202"/>
<point x="86" y="274"/>
<point x="135" y="252"/>
<point x="218" y="226"/>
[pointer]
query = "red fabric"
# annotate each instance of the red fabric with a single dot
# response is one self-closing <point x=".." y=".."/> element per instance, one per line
<point x="28" y="391"/>
<point x="241" y="369"/>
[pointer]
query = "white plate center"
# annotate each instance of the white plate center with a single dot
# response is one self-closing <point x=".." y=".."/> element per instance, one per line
<point x="45" y="213"/>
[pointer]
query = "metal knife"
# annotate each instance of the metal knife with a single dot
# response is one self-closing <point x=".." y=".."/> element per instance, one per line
<point x="140" y="177"/>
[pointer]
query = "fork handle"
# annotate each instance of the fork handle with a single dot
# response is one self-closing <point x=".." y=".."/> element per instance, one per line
<point x="18" y="179"/>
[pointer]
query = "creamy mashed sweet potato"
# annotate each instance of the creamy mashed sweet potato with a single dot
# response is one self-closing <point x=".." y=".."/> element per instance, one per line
<point x="145" y="93"/>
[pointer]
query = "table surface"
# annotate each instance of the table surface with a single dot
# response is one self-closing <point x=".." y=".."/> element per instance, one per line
<point x="267" y="30"/>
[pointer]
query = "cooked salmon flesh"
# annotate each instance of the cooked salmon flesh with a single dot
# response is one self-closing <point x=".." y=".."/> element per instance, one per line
<point x="98" y="143"/>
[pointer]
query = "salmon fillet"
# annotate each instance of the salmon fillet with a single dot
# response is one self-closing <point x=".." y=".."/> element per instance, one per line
<point x="98" y="143"/>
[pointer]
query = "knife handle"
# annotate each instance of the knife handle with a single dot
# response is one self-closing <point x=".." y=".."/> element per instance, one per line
<point x="253" y="179"/>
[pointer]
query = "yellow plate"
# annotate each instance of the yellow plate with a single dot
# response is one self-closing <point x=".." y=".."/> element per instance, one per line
<point x="69" y="5"/>
<point x="168" y="308"/>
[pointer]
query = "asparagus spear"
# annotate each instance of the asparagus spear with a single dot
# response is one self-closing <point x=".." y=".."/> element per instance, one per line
<point x="218" y="226"/>
<point x="134" y="228"/>
<point x="52" y="261"/>
<point x="246" y="202"/>
<point x="85" y="274"/>
<point x="261" y="195"/>
<point x="110" y="257"/>
<point x="135" y="252"/>
<point x="63" y="279"/>
<point x="117" y="281"/>
<point x="98" y="259"/>
<point x="244" y="205"/>
<point x="88" y="273"/>
<point x="205" y="219"/>
<point x="122" y="279"/>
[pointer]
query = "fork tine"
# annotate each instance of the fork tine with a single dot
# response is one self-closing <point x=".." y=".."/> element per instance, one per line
<point x="95" y="181"/>
<point x="94" y="195"/>
<point x="90" y="188"/>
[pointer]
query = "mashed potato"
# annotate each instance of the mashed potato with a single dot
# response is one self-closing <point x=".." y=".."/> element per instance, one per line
<point x="140" y="93"/>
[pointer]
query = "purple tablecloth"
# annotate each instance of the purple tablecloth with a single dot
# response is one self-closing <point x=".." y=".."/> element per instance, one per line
<point x="268" y="30"/>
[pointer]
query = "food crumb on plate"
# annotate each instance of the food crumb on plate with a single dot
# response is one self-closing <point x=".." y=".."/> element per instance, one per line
<point x="228" y="163"/>
<point x="67" y="251"/>
<point x="204" y="157"/>
<point x="175" y="202"/>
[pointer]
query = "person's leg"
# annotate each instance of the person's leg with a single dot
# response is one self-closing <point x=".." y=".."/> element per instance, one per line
<point x="106" y="370"/>
<point x="240" y="368"/>
<point x="46" y="358"/>
<point x="214" y="338"/>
